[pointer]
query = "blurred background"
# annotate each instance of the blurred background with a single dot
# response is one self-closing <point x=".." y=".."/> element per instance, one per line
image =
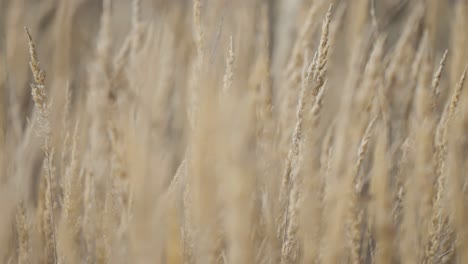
<point x="66" y="31"/>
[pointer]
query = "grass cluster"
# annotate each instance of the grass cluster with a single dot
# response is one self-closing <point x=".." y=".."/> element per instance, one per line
<point x="247" y="131"/>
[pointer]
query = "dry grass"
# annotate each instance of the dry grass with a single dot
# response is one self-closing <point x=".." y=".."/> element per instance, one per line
<point x="233" y="131"/>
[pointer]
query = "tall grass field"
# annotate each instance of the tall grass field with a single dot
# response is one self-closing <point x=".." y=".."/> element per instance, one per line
<point x="233" y="131"/>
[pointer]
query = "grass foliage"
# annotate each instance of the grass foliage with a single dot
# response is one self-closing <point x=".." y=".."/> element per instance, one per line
<point x="247" y="131"/>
